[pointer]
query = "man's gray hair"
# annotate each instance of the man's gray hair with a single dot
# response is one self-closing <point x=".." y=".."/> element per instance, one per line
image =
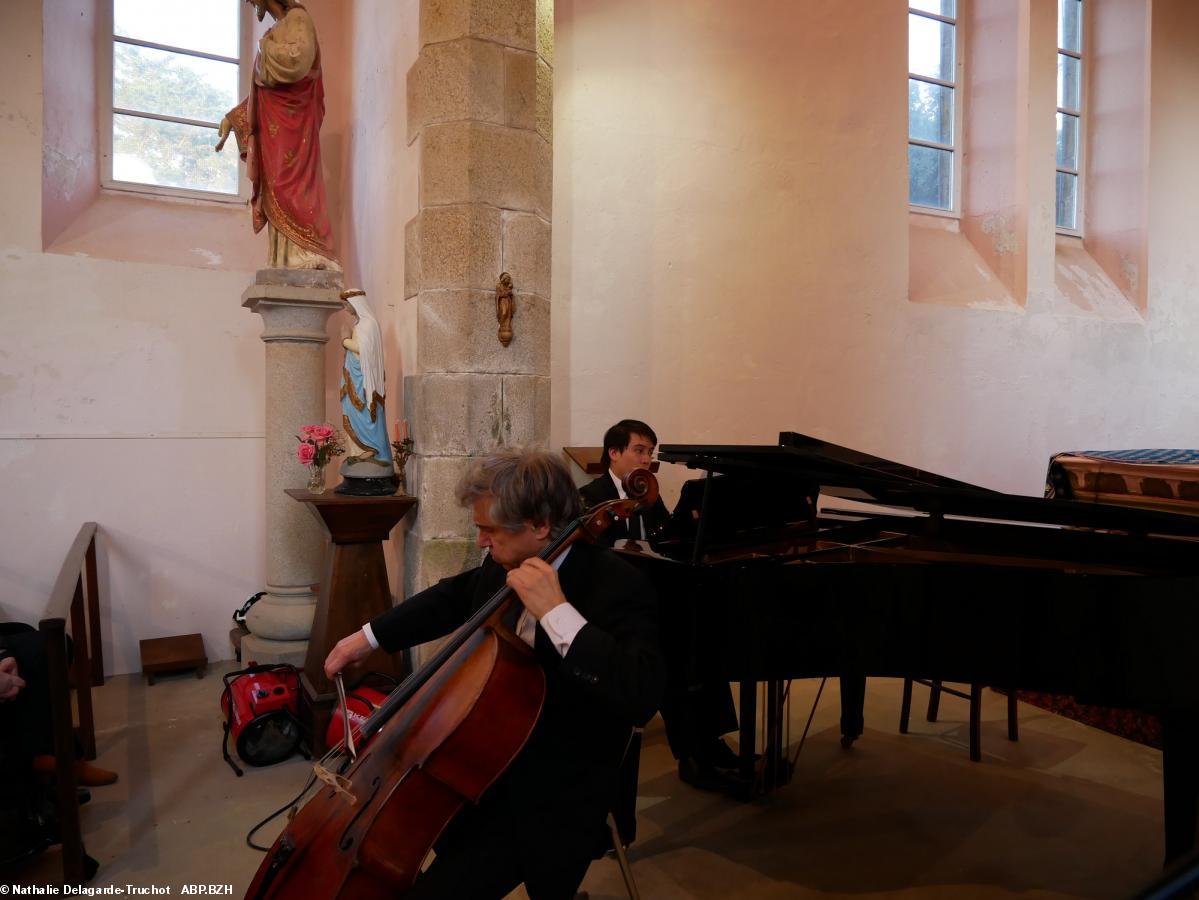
<point x="524" y="486"/>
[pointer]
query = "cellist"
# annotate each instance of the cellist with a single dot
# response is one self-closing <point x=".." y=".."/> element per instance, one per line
<point x="590" y="619"/>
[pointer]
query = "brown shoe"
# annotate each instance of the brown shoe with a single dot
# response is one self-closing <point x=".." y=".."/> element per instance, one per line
<point x="89" y="775"/>
<point x="86" y="774"/>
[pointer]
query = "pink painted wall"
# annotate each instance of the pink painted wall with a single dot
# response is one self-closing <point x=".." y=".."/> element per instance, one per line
<point x="381" y="196"/>
<point x="995" y="139"/>
<point x="70" y="171"/>
<point x="1174" y="193"/>
<point x="333" y="19"/>
<point x="1116" y="214"/>
<point x="731" y="239"/>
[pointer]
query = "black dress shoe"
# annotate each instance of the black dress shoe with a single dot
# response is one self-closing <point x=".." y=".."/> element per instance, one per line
<point x="721" y="755"/>
<point x="706" y="777"/>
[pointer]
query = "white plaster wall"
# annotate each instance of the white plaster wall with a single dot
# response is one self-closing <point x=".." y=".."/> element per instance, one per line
<point x="130" y="395"/>
<point x="730" y="252"/>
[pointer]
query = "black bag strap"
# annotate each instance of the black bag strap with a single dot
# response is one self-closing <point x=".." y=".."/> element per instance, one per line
<point x="239" y="615"/>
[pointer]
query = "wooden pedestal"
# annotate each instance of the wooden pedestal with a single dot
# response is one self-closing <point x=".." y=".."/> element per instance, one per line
<point x="353" y="592"/>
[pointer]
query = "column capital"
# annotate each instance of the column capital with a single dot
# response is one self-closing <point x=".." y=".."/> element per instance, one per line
<point x="292" y="310"/>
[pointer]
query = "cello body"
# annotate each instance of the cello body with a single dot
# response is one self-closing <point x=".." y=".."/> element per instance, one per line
<point x="442" y="750"/>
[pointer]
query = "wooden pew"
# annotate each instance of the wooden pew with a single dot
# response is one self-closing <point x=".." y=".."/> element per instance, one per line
<point x="76" y="597"/>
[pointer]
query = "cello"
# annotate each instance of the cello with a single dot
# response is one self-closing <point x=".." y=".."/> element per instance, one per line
<point x="435" y="746"/>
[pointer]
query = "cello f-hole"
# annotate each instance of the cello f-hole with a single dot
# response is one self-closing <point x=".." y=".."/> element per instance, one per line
<point x="347" y="839"/>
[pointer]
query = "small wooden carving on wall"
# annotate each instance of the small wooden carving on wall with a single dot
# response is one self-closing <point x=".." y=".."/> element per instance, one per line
<point x="505" y="307"/>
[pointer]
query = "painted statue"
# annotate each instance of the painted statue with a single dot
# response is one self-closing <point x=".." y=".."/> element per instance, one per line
<point x="362" y="395"/>
<point x="278" y="135"/>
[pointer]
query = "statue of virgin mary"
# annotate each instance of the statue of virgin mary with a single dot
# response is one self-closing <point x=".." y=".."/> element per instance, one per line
<point x="367" y="468"/>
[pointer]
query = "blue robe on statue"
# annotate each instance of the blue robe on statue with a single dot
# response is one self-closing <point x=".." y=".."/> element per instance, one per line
<point x="361" y="416"/>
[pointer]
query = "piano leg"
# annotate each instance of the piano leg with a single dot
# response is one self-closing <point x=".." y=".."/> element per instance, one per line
<point x="749" y="728"/>
<point x="777" y="765"/>
<point x="853" y="698"/>
<point x="1180" y="783"/>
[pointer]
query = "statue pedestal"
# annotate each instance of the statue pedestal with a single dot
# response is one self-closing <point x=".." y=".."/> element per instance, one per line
<point x="354" y="590"/>
<point x="295" y="305"/>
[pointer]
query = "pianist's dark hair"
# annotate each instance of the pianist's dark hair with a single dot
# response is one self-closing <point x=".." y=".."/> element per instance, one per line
<point x="618" y="436"/>
<point x="524" y="486"/>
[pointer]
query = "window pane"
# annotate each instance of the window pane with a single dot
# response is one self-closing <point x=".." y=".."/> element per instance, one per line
<point x="1068" y="80"/>
<point x="930" y="177"/>
<point x="211" y="27"/>
<point x="1067" y="141"/>
<point x="1067" y="200"/>
<point x="947" y="8"/>
<point x="1069" y="25"/>
<point x="172" y="84"/>
<point x="930" y="112"/>
<point x="930" y="48"/>
<point x="148" y="151"/>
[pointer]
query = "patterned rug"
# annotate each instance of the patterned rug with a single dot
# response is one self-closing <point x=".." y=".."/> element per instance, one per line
<point x="1126" y="723"/>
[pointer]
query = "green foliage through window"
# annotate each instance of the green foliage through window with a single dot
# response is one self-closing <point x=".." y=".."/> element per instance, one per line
<point x="173" y="85"/>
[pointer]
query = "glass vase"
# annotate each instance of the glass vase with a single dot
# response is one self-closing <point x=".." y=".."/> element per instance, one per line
<point x="316" y="478"/>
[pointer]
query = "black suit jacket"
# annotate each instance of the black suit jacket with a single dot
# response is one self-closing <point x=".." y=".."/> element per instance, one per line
<point x="603" y="489"/>
<point x="558" y="791"/>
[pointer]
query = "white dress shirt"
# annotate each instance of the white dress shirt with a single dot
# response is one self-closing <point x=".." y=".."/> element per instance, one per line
<point x="560" y="624"/>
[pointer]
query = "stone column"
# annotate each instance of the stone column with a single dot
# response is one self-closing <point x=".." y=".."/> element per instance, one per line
<point x="294" y="304"/>
<point x="480" y="103"/>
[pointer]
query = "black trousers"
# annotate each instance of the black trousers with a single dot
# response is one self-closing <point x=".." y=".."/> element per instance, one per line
<point x="485" y="860"/>
<point x="26" y="726"/>
<point x="696" y="714"/>
<point x="28" y="715"/>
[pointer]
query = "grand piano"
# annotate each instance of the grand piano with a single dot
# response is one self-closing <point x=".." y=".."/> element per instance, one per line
<point x="940" y="580"/>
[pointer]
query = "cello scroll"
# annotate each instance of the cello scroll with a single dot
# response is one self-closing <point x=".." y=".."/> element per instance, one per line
<point x="642" y="489"/>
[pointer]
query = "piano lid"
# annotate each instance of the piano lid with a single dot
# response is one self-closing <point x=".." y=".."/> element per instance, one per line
<point x="844" y="472"/>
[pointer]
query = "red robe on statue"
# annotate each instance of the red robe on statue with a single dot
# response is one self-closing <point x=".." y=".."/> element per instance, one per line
<point x="278" y="135"/>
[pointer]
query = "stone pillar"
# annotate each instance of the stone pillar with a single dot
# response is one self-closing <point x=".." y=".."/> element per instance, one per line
<point x="480" y="103"/>
<point x="294" y="304"/>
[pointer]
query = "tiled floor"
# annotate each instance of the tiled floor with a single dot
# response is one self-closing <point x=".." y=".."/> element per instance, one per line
<point x="1065" y="812"/>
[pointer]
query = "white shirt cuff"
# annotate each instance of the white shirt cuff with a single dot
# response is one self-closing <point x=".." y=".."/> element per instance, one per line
<point x="562" y="623"/>
<point x="370" y="636"/>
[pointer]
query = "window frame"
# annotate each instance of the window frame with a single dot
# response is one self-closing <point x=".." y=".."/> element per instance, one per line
<point x="245" y="64"/>
<point x="957" y="85"/>
<point x="1083" y="81"/>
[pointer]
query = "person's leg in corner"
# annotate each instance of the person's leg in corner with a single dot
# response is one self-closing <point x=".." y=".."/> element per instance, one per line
<point x="28" y="646"/>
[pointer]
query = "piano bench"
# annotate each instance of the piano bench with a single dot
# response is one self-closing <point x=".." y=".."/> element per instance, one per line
<point x="936" y="688"/>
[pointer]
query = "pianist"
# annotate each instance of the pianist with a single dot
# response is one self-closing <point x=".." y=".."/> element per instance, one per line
<point x="698" y="709"/>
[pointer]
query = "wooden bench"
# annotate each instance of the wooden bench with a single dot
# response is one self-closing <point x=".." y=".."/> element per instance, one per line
<point x="76" y="597"/>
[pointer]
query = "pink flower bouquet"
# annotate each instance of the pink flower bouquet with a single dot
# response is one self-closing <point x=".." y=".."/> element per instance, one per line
<point x="318" y="445"/>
